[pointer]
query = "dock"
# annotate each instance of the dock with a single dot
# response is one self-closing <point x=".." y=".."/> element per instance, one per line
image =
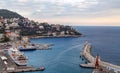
<point x="111" y="68"/>
<point x="87" y="54"/>
<point x="8" y="66"/>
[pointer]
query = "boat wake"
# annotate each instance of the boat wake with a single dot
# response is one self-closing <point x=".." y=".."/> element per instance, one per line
<point x="64" y="51"/>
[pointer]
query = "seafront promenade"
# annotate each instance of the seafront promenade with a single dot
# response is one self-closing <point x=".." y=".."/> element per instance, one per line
<point x="111" y="68"/>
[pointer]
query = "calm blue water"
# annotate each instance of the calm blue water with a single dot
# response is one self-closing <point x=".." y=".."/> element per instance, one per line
<point x="65" y="54"/>
<point x="105" y="41"/>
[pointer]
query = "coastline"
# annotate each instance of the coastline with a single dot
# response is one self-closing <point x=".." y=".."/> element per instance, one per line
<point x="107" y="66"/>
<point x="60" y="36"/>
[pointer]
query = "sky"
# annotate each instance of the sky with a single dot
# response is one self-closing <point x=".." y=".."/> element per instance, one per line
<point x="69" y="12"/>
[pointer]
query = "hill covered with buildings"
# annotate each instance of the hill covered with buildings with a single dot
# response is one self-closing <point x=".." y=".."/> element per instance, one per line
<point x="15" y="25"/>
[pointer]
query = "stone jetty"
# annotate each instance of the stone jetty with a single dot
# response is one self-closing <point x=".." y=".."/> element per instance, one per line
<point x="107" y="67"/>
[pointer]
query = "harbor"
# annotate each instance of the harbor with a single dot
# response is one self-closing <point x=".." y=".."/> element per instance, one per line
<point x="101" y="67"/>
<point x="49" y="54"/>
<point x="13" y="59"/>
<point x="7" y="65"/>
<point x="48" y="36"/>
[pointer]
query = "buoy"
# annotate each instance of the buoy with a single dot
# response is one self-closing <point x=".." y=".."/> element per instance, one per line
<point x="82" y="59"/>
<point x="80" y="56"/>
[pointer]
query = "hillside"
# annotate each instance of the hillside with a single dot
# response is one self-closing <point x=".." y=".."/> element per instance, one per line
<point x="31" y="28"/>
<point x="9" y="14"/>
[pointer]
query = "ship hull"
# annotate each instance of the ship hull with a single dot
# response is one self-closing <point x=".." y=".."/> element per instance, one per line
<point x="16" y="61"/>
<point x="27" y="49"/>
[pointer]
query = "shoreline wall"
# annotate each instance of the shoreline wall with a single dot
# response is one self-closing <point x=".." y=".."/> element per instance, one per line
<point x="54" y="36"/>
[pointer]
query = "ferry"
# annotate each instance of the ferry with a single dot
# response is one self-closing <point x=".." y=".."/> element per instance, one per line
<point x="27" y="48"/>
<point x="18" y="57"/>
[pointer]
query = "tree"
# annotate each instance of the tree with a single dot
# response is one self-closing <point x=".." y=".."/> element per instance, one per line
<point x="5" y="38"/>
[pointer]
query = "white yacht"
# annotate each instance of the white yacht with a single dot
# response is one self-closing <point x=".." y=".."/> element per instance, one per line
<point x="18" y="57"/>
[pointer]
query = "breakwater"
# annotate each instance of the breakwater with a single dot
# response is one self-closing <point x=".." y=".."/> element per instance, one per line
<point x="87" y="54"/>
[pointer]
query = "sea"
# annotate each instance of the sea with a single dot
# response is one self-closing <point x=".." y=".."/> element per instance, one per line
<point x="64" y="57"/>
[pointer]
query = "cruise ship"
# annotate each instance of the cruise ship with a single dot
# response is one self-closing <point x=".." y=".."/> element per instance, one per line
<point x="18" y="57"/>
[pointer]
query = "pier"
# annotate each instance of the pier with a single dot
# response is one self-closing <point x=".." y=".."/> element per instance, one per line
<point x="111" y="68"/>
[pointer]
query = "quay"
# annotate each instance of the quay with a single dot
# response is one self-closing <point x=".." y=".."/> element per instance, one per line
<point x="106" y="67"/>
<point x="7" y="65"/>
<point x="58" y="36"/>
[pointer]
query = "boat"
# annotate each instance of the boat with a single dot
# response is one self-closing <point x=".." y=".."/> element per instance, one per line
<point x="40" y="69"/>
<point x="18" y="57"/>
<point x="42" y="46"/>
<point x="27" y="48"/>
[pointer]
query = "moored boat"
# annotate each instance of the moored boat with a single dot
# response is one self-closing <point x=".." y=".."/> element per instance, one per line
<point x="18" y="57"/>
<point x="27" y="48"/>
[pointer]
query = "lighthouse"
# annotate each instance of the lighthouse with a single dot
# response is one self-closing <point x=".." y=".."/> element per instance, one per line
<point x="97" y="62"/>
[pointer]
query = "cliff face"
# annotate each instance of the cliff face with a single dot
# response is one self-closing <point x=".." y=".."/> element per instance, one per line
<point x="9" y="14"/>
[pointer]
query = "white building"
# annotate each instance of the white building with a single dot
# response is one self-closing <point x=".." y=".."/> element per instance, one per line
<point x="41" y="27"/>
<point x="1" y="24"/>
<point x="1" y="36"/>
<point x="62" y="33"/>
<point x="54" y="34"/>
<point x="14" y="24"/>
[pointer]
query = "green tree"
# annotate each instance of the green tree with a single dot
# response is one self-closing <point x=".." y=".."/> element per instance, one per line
<point x="5" y="38"/>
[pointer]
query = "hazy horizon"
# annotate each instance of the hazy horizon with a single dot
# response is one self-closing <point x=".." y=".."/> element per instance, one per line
<point x="77" y="12"/>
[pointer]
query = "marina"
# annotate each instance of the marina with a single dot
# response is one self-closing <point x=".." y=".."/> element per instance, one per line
<point x="13" y="61"/>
